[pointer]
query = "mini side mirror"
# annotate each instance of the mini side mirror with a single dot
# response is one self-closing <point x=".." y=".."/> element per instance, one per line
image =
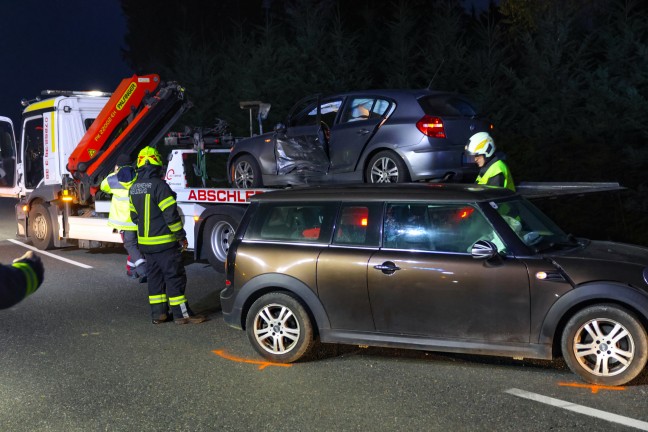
<point x="280" y="128"/>
<point x="483" y="249"/>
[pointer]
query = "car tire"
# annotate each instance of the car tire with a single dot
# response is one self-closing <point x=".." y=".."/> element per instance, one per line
<point x="279" y="328"/>
<point x="245" y="173"/>
<point x="386" y="167"/>
<point x="41" y="229"/>
<point x="605" y="344"/>
<point x="218" y="235"/>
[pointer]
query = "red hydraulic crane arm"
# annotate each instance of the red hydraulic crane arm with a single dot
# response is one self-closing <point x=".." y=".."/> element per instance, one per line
<point x="118" y="113"/>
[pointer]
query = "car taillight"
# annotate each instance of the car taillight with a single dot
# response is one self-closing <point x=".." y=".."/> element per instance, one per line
<point x="431" y="126"/>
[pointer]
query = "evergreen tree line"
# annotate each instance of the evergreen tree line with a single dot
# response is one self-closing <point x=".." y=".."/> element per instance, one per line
<point x="565" y="82"/>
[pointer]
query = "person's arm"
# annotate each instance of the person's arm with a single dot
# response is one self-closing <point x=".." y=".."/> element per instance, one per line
<point x="167" y="204"/>
<point x="496" y="180"/>
<point x="19" y="280"/>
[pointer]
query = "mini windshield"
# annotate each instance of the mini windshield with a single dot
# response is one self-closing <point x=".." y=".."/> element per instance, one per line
<point x="532" y="226"/>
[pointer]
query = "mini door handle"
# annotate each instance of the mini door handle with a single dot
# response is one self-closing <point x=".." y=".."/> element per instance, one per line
<point x="386" y="267"/>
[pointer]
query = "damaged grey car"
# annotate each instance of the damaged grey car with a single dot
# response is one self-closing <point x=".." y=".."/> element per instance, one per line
<point x="373" y="136"/>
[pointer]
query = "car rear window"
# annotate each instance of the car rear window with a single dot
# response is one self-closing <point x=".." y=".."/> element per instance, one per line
<point x="448" y="105"/>
<point x="292" y="222"/>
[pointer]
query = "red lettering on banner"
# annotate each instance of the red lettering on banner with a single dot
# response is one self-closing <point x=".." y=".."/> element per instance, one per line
<point x="221" y="195"/>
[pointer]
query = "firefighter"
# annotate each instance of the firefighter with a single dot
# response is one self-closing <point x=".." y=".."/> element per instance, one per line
<point x="161" y="238"/>
<point x="118" y="183"/>
<point x="492" y="170"/>
<point x="20" y="279"/>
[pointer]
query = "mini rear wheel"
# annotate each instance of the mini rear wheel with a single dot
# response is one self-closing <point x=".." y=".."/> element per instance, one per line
<point x="605" y="344"/>
<point x="279" y="328"/>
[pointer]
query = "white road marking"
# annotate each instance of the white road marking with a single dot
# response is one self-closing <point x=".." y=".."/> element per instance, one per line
<point x="50" y="254"/>
<point x="592" y="412"/>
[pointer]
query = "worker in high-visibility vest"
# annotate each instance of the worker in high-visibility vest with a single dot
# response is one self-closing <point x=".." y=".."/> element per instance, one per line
<point x="492" y="170"/>
<point x="118" y="183"/>
<point x="161" y="238"/>
<point x="20" y="279"/>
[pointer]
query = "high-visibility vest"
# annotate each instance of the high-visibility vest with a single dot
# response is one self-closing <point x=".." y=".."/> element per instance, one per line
<point x="119" y="216"/>
<point x="498" y="167"/>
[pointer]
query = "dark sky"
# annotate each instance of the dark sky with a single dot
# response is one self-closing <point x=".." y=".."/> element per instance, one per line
<point x="59" y="44"/>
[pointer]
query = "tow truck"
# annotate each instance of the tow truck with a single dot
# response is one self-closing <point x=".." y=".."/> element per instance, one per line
<point x="69" y="143"/>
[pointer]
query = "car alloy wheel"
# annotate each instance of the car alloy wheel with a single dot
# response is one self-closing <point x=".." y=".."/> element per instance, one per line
<point x="279" y="328"/>
<point x="386" y="167"/>
<point x="605" y="344"/>
<point x="246" y="173"/>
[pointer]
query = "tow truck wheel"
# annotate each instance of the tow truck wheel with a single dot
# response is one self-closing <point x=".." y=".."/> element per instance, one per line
<point x="40" y="227"/>
<point x="245" y="173"/>
<point x="219" y="233"/>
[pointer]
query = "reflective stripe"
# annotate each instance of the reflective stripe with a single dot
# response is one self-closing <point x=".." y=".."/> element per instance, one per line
<point x="114" y="183"/>
<point x="166" y="203"/>
<point x="157" y="299"/>
<point x="176" y="301"/>
<point x="139" y="261"/>
<point x="167" y="238"/>
<point x="176" y="226"/>
<point x="30" y="277"/>
<point x="128" y="226"/>
<point x="119" y="198"/>
<point x="147" y="214"/>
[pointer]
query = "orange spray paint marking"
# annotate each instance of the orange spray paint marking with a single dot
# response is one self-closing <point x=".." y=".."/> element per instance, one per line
<point x="595" y="388"/>
<point x="262" y="364"/>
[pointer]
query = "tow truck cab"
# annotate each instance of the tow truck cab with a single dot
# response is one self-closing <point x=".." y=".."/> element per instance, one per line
<point x="8" y="159"/>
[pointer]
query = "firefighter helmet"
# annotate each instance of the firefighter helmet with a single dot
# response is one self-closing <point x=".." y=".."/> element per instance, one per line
<point x="149" y="155"/>
<point x="481" y="144"/>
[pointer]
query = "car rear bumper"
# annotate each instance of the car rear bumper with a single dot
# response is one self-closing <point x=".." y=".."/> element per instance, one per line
<point x="437" y="164"/>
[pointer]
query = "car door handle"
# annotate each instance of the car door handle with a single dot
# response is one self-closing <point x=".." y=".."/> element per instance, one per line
<point x="387" y="267"/>
<point x="363" y="131"/>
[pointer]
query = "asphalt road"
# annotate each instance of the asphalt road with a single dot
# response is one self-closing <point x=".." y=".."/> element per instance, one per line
<point x="82" y="355"/>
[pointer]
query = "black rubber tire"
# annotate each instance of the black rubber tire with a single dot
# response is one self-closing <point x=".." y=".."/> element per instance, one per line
<point x="386" y="167"/>
<point x="592" y="345"/>
<point x="218" y="235"/>
<point x="41" y="229"/>
<point x="245" y="173"/>
<point x="286" y="325"/>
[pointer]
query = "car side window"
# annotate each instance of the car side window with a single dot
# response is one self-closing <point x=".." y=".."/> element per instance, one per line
<point x="358" y="224"/>
<point x="364" y="109"/>
<point x="328" y="109"/>
<point x="293" y="222"/>
<point x="442" y="228"/>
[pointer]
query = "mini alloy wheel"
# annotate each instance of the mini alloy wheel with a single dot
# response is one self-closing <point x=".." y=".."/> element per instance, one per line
<point x="279" y="328"/>
<point x="605" y="344"/>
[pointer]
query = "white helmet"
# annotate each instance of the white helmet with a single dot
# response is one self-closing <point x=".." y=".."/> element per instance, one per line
<point x="481" y="144"/>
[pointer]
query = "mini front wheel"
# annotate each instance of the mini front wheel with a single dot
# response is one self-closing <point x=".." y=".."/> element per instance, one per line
<point x="605" y="344"/>
<point x="279" y="328"/>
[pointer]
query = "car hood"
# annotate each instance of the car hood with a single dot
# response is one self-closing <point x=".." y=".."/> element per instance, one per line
<point x="605" y="261"/>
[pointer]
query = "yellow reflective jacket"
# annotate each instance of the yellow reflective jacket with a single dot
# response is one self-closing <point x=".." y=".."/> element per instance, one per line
<point x="494" y="168"/>
<point x="118" y="184"/>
